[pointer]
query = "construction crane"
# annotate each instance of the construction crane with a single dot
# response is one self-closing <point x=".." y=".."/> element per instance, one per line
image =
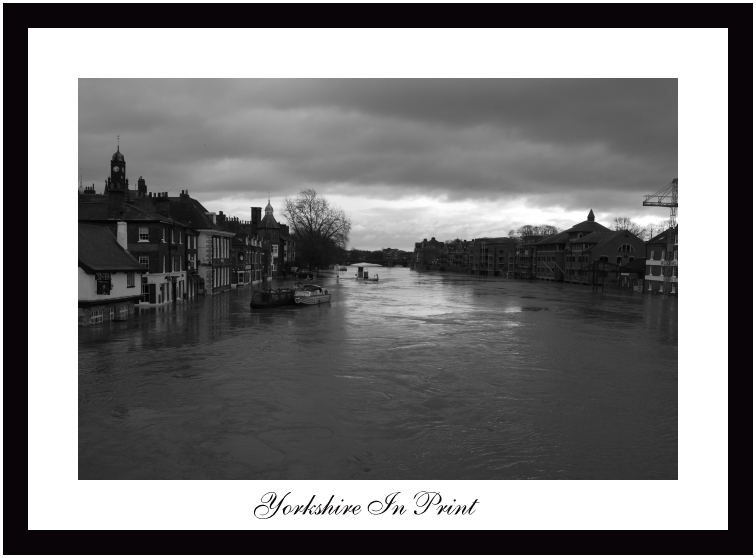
<point x="666" y="197"/>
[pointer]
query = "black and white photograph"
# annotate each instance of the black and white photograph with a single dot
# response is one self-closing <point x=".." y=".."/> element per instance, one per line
<point x="424" y="281"/>
<point x="378" y="279"/>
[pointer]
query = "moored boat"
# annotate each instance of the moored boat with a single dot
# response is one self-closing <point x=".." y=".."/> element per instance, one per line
<point x="272" y="298"/>
<point x="311" y="294"/>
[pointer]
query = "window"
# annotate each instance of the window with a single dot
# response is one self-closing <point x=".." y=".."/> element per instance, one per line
<point x="179" y="235"/>
<point x="662" y="257"/>
<point x="675" y="254"/>
<point x="163" y="264"/>
<point x="675" y="239"/>
<point x="163" y="234"/>
<point x="144" y="234"/>
<point x="173" y="237"/>
<point x="112" y="313"/>
<point x="626" y="248"/>
<point x="619" y="259"/>
<point x="145" y="261"/>
<point x="652" y="255"/>
<point x="130" y="278"/>
<point x="96" y="317"/>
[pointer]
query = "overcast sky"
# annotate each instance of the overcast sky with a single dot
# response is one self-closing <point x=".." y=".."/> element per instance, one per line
<point x="405" y="159"/>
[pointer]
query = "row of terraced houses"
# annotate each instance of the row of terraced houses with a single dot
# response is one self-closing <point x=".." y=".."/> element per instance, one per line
<point x="586" y="253"/>
<point x="144" y="249"/>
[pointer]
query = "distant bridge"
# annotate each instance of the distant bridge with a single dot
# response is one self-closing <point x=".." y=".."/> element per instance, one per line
<point x="403" y="262"/>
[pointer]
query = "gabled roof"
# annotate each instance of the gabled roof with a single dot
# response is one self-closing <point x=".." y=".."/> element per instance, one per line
<point x="101" y="212"/>
<point x="557" y="238"/>
<point x="587" y="226"/>
<point x="592" y="238"/>
<point x="603" y="238"/>
<point x="192" y="212"/>
<point x="99" y="251"/>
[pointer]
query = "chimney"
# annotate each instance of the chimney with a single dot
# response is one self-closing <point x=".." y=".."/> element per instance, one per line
<point x="221" y="218"/>
<point x="121" y="235"/>
<point x="211" y="214"/>
<point x="141" y="187"/>
<point x="162" y="205"/>
<point x="115" y="203"/>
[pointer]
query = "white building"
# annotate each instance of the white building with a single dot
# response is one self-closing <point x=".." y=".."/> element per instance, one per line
<point x="109" y="276"/>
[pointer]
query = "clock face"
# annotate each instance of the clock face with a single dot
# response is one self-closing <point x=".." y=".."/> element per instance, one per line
<point x="116" y="169"/>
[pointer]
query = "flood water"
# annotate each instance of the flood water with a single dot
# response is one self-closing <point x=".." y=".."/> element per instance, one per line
<point x="423" y="375"/>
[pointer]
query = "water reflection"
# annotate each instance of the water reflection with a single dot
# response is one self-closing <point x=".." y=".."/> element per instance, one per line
<point x="420" y="375"/>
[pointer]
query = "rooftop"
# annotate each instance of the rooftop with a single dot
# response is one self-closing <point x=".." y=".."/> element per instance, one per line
<point x="99" y="251"/>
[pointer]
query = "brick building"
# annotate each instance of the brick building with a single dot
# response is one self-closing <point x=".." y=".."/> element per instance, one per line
<point x="523" y="262"/>
<point x="491" y="256"/>
<point x="209" y="257"/>
<point x="246" y="251"/>
<point x="454" y="255"/>
<point x="661" y="263"/>
<point x="426" y="253"/>
<point x="590" y="242"/>
<point x="156" y="241"/>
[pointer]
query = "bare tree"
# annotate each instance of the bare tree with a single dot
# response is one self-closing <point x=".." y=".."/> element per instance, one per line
<point x="654" y="229"/>
<point x="548" y="230"/>
<point x="531" y="230"/>
<point x="626" y="224"/>
<point x="526" y="230"/>
<point x="320" y="230"/>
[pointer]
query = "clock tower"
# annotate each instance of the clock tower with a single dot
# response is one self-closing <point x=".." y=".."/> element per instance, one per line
<point x="118" y="170"/>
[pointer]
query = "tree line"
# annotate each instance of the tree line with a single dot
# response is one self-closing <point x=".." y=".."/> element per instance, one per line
<point x="618" y="224"/>
<point x="534" y="230"/>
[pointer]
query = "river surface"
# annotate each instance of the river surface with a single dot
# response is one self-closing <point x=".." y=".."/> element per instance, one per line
<point x="423" y="375"/>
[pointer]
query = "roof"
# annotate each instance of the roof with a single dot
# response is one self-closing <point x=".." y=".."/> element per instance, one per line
<point x="661" y="237"/>
<point x="587" y="226"/>
<point x="117" y="156"/>
<point x="191" y="212"/>
<point x="99" y="251"/>
<point x="498" y="240"/>
<point x="593" y="238"/>
<point x="101" y="212"/>
<point x="268" y="222"/>
<point x="557" y="238"/>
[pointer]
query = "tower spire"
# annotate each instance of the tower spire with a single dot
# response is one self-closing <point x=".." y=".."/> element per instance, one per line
<point x="119" y="142"/>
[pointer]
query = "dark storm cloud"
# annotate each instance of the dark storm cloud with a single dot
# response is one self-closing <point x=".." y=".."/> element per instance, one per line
<point x="572" y="143"/>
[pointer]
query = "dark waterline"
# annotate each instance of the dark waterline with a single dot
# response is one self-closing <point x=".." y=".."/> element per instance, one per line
<point x="419" y="376"/>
